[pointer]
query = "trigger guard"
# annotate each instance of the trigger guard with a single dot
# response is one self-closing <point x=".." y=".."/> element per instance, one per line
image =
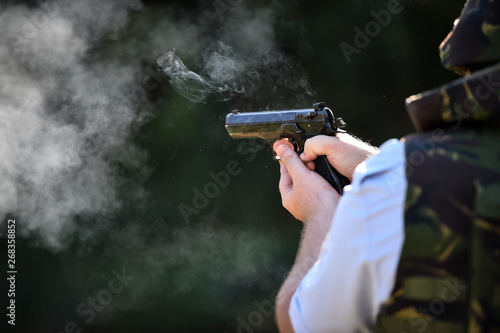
<point x="295" y="145"/>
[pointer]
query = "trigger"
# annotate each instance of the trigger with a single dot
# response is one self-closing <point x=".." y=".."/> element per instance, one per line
<point x="275" y="157"/>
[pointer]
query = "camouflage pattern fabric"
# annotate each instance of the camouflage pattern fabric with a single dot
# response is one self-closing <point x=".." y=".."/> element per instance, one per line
<point x="448" y="278"/>
<point x="474" y="42"/>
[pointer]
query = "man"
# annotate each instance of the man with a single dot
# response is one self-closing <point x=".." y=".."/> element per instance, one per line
<point x="414" y="243"/>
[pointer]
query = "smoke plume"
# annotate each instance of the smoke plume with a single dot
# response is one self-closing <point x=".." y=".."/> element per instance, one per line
<point x="245" y="60"/>
<point x="68" y="113"/>
<point x="65" y="119"/>
<point x="74" y="81"/>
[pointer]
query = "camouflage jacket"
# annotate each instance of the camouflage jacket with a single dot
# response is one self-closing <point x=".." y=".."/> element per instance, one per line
<point x="474" y="42"/>
<point x="448" y="278"/>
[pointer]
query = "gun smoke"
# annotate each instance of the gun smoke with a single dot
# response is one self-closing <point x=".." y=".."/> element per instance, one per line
<point x="65" y="119"/>
<point x="69" y="114"/>
<point x="248" y="66"/>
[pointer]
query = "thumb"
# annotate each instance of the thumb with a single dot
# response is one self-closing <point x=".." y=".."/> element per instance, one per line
<point x="291" y="160"/>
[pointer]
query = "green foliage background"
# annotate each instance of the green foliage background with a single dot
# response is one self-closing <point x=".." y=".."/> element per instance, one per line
<point x="206" y="275"/>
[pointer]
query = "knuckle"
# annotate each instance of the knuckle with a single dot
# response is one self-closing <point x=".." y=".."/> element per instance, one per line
<point x="287" y="159"/>
<point x="310" y="142"/>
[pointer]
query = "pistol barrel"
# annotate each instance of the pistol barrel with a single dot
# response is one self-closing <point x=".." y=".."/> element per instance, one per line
<point x="270" y="125"/>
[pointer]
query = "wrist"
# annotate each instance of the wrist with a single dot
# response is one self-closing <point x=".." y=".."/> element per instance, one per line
<point x="320" y="220"/>
<point x="319" y="208"/>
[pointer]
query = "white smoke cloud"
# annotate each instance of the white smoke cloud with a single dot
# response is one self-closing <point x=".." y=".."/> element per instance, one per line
<point x="67" y="115"/>
<point x="67" y="119"/>
<point x="243" y="61"/>
<point x="64" y="120"/>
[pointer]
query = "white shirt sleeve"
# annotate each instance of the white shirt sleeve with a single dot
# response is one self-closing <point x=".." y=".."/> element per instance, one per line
<point x="356" y="269"/>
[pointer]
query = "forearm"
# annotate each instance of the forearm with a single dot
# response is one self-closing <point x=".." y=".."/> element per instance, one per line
<point x="313" y="236"/>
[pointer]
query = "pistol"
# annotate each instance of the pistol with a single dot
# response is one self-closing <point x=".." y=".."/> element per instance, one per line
<point x="294" y="125"/>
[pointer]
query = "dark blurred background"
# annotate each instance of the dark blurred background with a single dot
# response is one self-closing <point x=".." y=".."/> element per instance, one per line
<point x="110" y="171"/>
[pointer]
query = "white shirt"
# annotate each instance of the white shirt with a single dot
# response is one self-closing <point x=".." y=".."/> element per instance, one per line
<point x="356" y="269"/>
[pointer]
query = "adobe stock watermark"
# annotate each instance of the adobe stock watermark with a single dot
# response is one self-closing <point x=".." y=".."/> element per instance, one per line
<point x="87" y="309"/>
<point x="138" y="95"/>
<point x="483" y="87"/>
<point x="223" y="6"/>
<point x="265" y="309"/>
<point x="416" y="157"/>
<point x="372" y="29"/>
<point x="219" y="180"/>
<point x="34" y="20"/>
<point x="39" y="18"/>
<point x="262" y="310"/>
<point x="436" y="307"/>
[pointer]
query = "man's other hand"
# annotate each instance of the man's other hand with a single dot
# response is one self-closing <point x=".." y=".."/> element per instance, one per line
<point x="344" y="152"/>
<point x="304" y="193"/>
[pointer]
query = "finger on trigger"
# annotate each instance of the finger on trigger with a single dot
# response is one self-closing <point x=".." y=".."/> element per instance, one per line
<point x="281" y="142"/>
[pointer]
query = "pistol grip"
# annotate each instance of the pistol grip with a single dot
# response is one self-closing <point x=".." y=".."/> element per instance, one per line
<point x="336" y="179"/>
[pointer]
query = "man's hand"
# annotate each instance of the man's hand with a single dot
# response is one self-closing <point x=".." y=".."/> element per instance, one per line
<point x="343" y="151"/>
<point x="311" y="199"/>
<point x="304" y="193"/>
